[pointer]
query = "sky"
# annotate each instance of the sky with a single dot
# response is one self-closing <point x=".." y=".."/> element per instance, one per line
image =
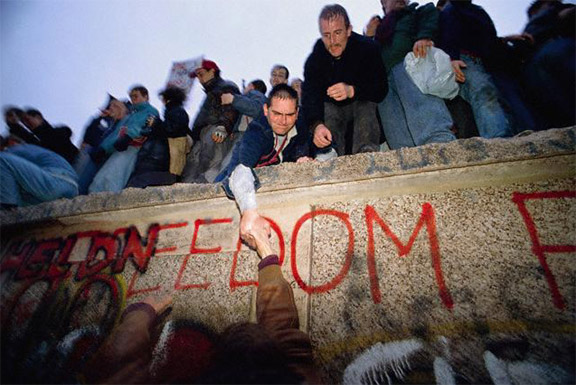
<point x="64" y="56"/>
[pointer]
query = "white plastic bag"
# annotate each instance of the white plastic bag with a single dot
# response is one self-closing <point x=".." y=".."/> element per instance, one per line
<point x="432" y="74"/>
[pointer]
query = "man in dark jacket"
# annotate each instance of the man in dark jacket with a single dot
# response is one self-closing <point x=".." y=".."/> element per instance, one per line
<point x="56" y="139"/>
<point x="344" y="79"/>
<point x="212" y="128"/>
<point x="266" y="142"/>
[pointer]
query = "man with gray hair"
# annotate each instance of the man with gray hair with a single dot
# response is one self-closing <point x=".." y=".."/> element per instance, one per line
<point x="344" y="79"/>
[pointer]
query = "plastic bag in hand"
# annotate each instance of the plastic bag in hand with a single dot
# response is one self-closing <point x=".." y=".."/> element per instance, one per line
<point x="432" y="74"/>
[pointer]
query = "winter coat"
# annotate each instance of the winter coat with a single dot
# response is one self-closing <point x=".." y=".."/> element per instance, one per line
<point x="212" y="112"/>
<point x="360" y="66"/>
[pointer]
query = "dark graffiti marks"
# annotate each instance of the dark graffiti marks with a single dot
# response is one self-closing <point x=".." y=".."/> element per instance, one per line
<point x="539" y="249"/>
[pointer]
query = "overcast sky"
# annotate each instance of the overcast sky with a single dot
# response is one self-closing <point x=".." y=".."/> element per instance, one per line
<point x="63" y="56"/>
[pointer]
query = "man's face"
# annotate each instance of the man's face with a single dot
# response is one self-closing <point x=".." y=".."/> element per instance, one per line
<point x="335" y="35"/>
<point x="12" y="118"/>
<point x="281" y="115"/>
<point x="278" y="76"/>
<point x="136" y="97"/>
<point x="393" y="5"/>
<point x="31" y="122"/>
<point x="204" y="76"/>
<point x="117" y="110"/>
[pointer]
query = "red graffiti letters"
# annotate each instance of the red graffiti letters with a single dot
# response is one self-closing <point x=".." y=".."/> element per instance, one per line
<point x="427" y="218"/>
<point x="538" y="248"/>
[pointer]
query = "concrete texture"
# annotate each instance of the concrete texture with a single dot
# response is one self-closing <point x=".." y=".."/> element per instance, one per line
<point x="448" y="262"/>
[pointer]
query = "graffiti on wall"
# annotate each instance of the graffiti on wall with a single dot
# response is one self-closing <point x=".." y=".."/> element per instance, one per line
<point x="46" y="291"/>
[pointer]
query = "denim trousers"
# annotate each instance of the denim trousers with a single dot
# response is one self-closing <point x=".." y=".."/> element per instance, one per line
<point x="480" y="91"/>
<point x="24" y="183"/>
<point x="205" y="159"/>
<point x="366" y="130"/>
<point x="115" y="173"/>
<point x="411" y="118"/>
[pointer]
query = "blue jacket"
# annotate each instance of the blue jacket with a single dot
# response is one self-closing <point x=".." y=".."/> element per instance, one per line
<point x="249" y="105"/>
<point x="256" y="149"/>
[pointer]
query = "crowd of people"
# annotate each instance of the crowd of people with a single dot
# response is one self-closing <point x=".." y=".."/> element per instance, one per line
<point x="356" y="96"/>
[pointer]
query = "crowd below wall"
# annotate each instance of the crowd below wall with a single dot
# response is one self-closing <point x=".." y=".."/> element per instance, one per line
<point x="531" y="72"/>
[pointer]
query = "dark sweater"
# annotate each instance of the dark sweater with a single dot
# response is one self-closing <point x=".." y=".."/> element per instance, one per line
<point x="360" y="66"/>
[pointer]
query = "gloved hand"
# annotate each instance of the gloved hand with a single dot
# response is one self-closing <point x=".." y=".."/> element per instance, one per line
<point x="219" y="134"/>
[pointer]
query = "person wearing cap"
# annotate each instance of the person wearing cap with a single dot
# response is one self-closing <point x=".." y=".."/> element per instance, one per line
<point x="212" y="127"/>
<point x="344" y="78"/>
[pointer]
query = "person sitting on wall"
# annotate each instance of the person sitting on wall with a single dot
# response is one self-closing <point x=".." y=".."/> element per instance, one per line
<point x="344" y="78"/>
<point x="123" y="145"/>
<point x="212" y="127"/>
<point x="56" y="139"/>
<point x="32" y="174"/>
<point x="18" y="131"/>
<point x="272" y="351"/>
<point x="158" y="163"/>
<point x="409" y="117"/>
<point x="268" y="142"/>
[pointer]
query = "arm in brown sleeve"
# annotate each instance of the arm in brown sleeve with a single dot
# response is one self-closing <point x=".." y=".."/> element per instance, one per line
<point x="125" y="354"/>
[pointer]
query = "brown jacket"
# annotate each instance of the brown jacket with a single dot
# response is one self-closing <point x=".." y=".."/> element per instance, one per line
<point x="125" y="355"/>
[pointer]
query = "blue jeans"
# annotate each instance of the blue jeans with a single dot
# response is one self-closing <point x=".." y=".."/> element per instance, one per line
<point x="24" y="183"/>
<point x="115" y="173"/>
<point x="411" y="118"/>
<point x="479" y="90"/>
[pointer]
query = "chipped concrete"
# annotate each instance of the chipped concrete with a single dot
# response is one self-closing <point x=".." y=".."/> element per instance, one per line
<point x="465" y="247"/>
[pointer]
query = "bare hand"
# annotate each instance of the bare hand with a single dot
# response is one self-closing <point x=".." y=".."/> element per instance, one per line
<point x="304" y="159"/>
<point x="226" y="98"/>
<point x="457" y="66"/>
<point x="150" y="121"/>
<point x="340" y="91"/>
<point x="159" y="303"/>
<point x="262" y="240"/>
<point x="420" y="48"/>
<point x="252" y="222"/>
<point x="322" y="136"/>
<point x="372" y="25"/>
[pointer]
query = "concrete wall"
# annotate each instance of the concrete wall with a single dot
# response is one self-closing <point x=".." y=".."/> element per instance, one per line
<point x="442" y="263"/>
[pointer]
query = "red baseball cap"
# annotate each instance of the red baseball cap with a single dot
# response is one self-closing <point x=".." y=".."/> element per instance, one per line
<point x="207" y="65"/>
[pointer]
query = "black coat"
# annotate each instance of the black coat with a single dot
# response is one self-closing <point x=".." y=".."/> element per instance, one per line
<point x="360" y="66"/>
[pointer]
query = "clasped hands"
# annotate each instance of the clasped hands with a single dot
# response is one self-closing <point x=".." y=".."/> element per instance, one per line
<point x="255" y="232"/>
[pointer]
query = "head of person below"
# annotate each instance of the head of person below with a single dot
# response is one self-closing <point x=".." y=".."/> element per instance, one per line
<point x="344" y="79"/>
<point x="279" y="137"/>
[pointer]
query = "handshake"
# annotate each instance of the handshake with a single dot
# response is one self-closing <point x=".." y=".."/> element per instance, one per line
<point x="255" y="231"/>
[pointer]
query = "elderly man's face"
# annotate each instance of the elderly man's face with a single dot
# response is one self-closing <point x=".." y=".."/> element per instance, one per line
<point x="393" y="5"/>
<point x="335" y="35"/>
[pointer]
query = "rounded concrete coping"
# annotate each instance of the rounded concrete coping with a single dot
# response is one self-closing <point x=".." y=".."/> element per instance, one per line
<point x="431" y="157"/>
